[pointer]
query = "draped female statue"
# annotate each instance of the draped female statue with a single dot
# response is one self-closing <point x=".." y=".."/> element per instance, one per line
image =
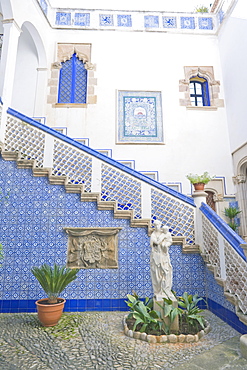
<point x="161" y="268"/>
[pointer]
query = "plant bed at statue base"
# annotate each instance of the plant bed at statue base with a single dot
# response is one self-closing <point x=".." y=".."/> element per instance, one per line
<point x="155" y="336"/>
<point x="145" y="323"/>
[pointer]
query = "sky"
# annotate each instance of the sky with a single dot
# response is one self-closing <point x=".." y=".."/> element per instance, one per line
<point x="161" y="5"/>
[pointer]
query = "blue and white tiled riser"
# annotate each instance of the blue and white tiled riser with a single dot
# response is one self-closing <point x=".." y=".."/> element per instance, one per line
<point x="31" y="223"/>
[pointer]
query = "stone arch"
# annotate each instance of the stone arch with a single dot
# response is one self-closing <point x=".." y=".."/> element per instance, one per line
<point x="6" y="9"/>
<point x="31" y="59"/>
<point x="38" y="43"/>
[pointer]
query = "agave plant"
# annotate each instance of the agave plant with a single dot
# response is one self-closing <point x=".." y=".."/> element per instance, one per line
<point x="54" y="279"/>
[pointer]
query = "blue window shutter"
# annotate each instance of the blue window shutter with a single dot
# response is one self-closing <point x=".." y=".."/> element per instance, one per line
<point x="73" y="82"/>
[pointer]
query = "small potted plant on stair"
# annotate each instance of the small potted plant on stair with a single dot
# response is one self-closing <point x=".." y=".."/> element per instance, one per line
<point x="53" y="280"/>
<point x="199" y="181"/>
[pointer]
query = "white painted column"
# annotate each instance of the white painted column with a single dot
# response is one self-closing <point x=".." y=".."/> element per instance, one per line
<point x="222" y="257"/>
<point x="96" y="175"/>
<point x="41" y="92"/>
<point x="199" y="197"/>
<point x="7" y="67"/>
<point x="48" y="151"/>
<point x="146" y="200"/>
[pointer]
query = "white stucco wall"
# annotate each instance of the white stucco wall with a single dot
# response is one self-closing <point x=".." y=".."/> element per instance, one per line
<point x="194" y="141"/>
<point x="233" y="54"/>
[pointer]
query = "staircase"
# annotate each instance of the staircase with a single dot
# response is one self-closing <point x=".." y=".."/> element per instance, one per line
<point x="131" y="195"/>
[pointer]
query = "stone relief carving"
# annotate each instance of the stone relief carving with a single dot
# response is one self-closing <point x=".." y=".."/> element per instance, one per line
<point x="92" y="247"/>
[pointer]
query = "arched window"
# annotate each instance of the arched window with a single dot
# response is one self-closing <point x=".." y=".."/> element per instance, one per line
<point x="199" y="95"/>
<point x="73" y="82"/>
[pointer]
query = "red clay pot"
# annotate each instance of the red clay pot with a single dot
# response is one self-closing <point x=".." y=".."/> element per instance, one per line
<point x="199" y="186"/>
<point x="50" y="314"/>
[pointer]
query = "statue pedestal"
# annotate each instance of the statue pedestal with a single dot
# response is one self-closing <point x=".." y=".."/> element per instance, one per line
<point x="159" y="301"/>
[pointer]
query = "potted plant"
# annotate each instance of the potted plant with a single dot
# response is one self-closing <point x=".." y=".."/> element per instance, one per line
<point x="53" y="280"/>
<point x="199" y="181"/>
<point x="231" y="213"/>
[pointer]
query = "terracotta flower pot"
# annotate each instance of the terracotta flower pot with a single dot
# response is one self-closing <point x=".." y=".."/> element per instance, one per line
<point x="49" y="314"/>
<point x="199" y="186"/>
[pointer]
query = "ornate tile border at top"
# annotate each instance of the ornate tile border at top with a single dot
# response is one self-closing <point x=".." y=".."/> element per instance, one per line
<point x="139" y="20"/>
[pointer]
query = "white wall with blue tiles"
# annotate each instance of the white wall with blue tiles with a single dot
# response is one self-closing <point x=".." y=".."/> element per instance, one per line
<point x="32" y="220"/>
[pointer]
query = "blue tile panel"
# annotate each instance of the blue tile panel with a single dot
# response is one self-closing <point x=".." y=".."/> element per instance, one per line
<point x="205" y="23"/>
<point x="151" y="21"/>
<point x="82" y="19"/>
<point x="227" y="232"/>
<point x="124" y="20"/>
<point x="169" y="22"/>
<point x="187" y="23"/>
<point x="106" y="20"/>
<point x="63" y="19"/>
<point x="101" y="156"/>
<point x="31" y="230"/>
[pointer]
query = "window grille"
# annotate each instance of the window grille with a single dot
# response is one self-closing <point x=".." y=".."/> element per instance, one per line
<point x="73" y="82"/>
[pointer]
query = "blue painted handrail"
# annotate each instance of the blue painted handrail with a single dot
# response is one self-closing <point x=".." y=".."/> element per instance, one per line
<point x="101" y="156"/>
<point x="226" y="231"/>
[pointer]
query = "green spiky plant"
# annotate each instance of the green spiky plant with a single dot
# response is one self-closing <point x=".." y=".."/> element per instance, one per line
<point x="54" y="279"/>
<point x="202" y="9"/>
<point x="231" y="213"/>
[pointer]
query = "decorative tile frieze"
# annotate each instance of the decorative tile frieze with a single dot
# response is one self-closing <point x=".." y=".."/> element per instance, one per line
<point x="187" y="23"/>
<point x="205" y="23"/>
<point x="63" y="19"/>
<point x="106" y="20"/>
<point x="151" y="21"/>
<point x="169" y="22"/>
<point x="82" y="19"/>
<point x="124" y="20"/>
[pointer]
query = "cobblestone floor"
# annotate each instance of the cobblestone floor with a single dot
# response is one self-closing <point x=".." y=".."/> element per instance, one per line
<point x="95" y="340"/>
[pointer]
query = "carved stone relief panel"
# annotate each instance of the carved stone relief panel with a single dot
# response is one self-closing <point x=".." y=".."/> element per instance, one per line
<point x="90" y="248"/>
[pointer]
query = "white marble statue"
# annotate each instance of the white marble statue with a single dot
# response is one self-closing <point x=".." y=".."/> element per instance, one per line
<point x="161" y="268"/>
